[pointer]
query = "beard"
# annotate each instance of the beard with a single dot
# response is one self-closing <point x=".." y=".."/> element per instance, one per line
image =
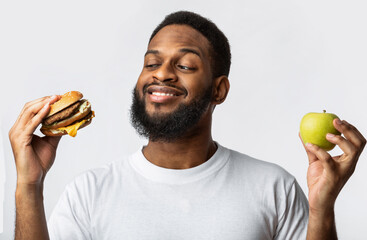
<point x="168" y="127"/>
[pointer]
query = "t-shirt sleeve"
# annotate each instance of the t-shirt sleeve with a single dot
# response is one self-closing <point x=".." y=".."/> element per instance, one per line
<point x="70" y="218"/>
<point x="293" y="222"/>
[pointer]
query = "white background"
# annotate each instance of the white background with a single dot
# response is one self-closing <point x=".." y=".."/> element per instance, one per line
<point x="289" y="58"/>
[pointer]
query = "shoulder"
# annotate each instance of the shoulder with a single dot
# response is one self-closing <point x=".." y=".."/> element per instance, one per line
<point x="259" y="173"/>
<point x="255" y="166"/>
<point x="278" y="188"/>
<point x="96" y="178"/>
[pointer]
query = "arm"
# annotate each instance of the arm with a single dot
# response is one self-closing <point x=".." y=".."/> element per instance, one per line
<point x="321" y="226"/>
<point x="30" y="216"/>
<point x="327" y="175"/>
<point x="33" y="156"/>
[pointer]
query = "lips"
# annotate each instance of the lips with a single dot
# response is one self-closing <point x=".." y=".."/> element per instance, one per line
<point x="163" y="94"/>
<point x="164" y="90"/>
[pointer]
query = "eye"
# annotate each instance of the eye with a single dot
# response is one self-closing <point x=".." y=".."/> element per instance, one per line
<point x="149" y="66"/>
<point x="185" y="67"/>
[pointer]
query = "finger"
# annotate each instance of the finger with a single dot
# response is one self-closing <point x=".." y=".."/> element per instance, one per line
<point x="30" y="111"/>
<point x="354" y="128"/>
<point x="33" y="108"/>
<point x="361" y="137"/>
<point x="325" y="158"/>
<point x="346" y="146"/>
<point x="28" y="104"/>
<point x="311" y="157"/>
<point x="37" y="119"/>
<point x="351" y="133"/>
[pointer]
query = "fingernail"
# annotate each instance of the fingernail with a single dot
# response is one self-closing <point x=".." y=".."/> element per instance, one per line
<point x="338" y="122"/>
<point x="53" y="97"/>
<point x="308" y="144"/>
<point x="330" y="135"/>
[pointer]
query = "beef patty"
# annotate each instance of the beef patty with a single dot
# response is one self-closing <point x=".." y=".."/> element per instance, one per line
<point x="63" y="113"/>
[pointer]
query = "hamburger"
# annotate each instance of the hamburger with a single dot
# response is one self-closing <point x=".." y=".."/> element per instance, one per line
<point x="67" y="115"/>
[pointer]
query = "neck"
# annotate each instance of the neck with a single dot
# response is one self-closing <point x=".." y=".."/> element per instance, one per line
<point x="192" y="150"/>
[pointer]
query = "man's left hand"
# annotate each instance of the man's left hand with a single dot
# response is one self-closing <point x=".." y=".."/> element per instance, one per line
<point x="327" y="175"/>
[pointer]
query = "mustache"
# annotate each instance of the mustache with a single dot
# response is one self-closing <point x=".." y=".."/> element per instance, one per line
<point x="163" y="85"/>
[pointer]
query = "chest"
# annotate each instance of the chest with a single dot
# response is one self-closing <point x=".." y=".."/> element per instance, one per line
<point x="203" y="211"/>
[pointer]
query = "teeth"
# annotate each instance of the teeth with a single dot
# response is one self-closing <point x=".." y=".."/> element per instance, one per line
<point x="162" y="94"/>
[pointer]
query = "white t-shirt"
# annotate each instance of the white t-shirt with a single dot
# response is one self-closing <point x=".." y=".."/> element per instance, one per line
<point x="231" y="196"/>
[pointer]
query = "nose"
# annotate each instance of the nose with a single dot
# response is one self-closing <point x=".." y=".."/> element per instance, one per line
<point x="165" y="73"/>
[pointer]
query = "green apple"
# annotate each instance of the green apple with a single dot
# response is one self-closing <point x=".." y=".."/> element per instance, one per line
<point x="315" y="126"/>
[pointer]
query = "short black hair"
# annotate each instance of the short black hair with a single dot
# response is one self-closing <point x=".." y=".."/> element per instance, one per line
<point x="220" y="49"/>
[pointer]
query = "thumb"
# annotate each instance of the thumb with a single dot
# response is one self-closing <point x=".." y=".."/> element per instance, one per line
<point x="311" y="157"/>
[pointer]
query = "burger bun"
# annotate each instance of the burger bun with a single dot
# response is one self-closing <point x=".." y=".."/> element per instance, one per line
<point x="66" y="100"/>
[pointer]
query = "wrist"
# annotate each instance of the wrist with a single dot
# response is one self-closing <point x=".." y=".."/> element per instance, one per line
<point x="324" y="219"/>
<point x="31" y="191"/>
<point x="322" y="212"/>
<point x="321" y="225"/>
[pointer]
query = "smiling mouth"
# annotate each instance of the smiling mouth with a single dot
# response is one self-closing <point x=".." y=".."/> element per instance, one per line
<point x="165" y="91"/>
<point x="162" y="94"/>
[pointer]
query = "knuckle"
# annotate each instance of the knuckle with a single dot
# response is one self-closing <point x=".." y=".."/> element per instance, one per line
<point x="26" y="107"/>
<point x="27" y="104"/>
<point x="15" y="133"/>
<point x="347" y="126"/>
<point x="315" y="147"/>
<point x="364" y="142"/>
<point x="10" y="133"/>
<point x="33" y="121"/>
<point x="359" y="145"/>
<point x="13" y="138"/>
<point x="338" y="138"/>
<point x="31" y="110"/>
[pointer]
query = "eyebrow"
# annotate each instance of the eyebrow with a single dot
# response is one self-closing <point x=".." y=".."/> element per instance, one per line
<point x="190" y="50"/>
<point x="182" y="50"/>
<point x="151" y="52"/>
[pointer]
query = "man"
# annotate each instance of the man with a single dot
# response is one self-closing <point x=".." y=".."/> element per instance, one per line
<point x="182" y="184"/>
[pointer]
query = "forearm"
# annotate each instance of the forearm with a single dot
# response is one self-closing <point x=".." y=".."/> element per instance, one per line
<point x="321" y="226"/>
<point x="30" y="215"/>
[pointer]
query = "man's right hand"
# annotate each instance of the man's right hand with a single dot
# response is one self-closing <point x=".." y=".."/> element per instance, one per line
<point x="33" y="155"/>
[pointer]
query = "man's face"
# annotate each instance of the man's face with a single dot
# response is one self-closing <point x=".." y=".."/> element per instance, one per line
<point x="175" y="85"/>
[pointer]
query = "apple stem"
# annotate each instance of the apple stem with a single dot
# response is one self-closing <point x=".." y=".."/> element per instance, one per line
<point x="324" y="111"/>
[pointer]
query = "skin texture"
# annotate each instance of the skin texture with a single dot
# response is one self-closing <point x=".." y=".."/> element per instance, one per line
<point x="181" y="56"/>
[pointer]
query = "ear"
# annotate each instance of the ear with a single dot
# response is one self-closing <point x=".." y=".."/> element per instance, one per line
<point x="220" y="89"/>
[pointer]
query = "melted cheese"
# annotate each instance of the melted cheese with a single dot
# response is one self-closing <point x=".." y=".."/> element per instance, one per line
<point x="73" y="129"/>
